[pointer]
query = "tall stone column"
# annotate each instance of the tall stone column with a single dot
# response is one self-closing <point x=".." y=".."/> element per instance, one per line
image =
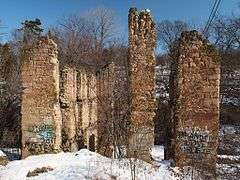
<point x="142" y="41"/>
<point x="68" y="99"/>
<point x="196" y="78"/>
<point x="41" y="115"/>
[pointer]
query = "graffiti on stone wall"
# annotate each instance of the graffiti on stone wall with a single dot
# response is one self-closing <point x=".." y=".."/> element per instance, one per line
<point x="42" y="139"/>
<point x="194" y="141"/>
<point x="44" y="131"/>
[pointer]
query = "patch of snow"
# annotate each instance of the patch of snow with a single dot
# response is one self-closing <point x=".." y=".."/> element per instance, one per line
<point x="148" y="10"/>
<point x="228" y="171"/>
<point x="85" y="164"/>
<point x="2" y="153"/>
<point x="232" y="158"/>
<point x="157" y="153"/>
<point x="227" y="129"/>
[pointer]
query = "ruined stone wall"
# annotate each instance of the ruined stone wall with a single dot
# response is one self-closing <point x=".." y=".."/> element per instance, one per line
<point x="41" y="115"/>
<point x="142" y="41"/>
<point x="87" y="106"/>
<point x="68" y="101"/>
<point x="196" y="77"/>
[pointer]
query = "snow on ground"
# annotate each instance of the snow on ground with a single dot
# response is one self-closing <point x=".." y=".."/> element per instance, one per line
<point x="85" y="164"/>
<point x="232" y="158"/>
<point x="228" y="171"/>
<point x="228" y="167"/>
<point x="2" y="154"/>
<point x="157" y="153"/>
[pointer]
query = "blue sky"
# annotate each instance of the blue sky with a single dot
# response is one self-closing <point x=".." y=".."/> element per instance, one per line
<point x="13" y="12"/>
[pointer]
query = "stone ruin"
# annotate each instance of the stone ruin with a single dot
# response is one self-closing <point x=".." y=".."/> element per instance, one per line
<point x="41" y="113"/>
<point x="142" y="42"/>
<point x="195" y="104"/>
<point x="78" y="100"/>
<point x="71" y="107"/>
<point x="59" y="107"/>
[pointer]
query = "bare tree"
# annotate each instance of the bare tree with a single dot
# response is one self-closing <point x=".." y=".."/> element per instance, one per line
<point x="169" y="31"/>
<point x="103" y="25"/>
<point x="225" y="34"/>
<point x="83" y="38"/>
<point x="89" y="41"/>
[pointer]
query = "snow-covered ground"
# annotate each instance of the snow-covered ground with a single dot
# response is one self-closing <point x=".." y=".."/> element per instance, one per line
<point x="85" y="164"/>
<point x="229" y="143"/>
<point x="2" y="154"/>
<point x="228" y="167"/>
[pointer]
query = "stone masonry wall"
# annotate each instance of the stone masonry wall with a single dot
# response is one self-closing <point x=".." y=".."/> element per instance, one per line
<point x="195" y="85"/>
<point x="79" y="107"/>
<point x="142" y="41"/>
<point x="87" y="107"/>
<point x="41" y="115"/>
<point x="68" y="100"/>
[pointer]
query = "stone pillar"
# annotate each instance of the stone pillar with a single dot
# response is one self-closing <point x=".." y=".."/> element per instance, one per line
<point x="41" y="114"/>
<point x="142" y="41"/>
<point x="87" y="97"/>
<point x="196" y="78"/>
<point x="68" y="99"/>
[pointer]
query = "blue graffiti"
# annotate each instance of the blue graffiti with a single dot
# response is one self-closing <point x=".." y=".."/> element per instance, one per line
<point x="45" y="131"/>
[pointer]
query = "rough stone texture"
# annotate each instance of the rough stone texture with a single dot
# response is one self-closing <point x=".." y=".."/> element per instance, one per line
<point x="196" y="78"/>
<point x="78" y="98"/>
<point x="142" y="41"/>
<point x="68" y="101"/>
<point x="87" y="107"/>
<point x="41" y="115"/>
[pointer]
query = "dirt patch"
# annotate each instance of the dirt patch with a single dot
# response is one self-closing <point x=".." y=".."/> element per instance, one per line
<point x="3" y="160"/>
<point x="38" y="171"/>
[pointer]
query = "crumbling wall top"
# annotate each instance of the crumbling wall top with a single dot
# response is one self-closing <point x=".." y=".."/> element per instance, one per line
<point x="141" y="25"/>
